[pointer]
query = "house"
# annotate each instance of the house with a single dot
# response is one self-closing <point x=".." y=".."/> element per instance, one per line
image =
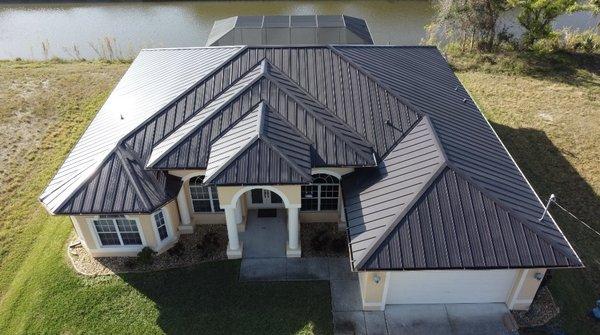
<point x="383" y="140"/>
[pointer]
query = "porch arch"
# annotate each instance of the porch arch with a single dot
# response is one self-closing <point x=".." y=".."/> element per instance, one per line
<point x="235" y="198"/>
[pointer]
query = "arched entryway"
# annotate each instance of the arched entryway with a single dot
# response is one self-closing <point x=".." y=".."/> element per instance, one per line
<point x="264" y="236"/>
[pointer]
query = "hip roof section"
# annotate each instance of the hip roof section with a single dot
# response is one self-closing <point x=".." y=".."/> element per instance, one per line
<point x="153" y="80"/>
<point x="356" y="106"/>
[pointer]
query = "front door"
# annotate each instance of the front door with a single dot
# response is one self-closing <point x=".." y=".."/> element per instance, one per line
<point x="260" y="198"/>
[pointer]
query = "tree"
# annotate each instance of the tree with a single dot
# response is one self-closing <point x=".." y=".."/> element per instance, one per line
<point x="536" y="16"/>
<point x="472" y="23"/>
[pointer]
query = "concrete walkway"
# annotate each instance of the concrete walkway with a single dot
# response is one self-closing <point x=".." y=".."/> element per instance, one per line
<point x="264" y="237"/>
<point x="264" y="260"/>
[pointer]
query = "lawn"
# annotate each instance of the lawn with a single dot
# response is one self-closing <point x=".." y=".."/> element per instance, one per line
<point x="549" y="120"/>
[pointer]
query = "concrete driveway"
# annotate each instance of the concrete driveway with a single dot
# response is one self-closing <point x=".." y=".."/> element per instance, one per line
<point x="428" y="319"/>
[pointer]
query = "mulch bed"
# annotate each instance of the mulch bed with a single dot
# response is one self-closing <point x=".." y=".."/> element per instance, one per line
<point x="188" y="251"/>
<point x="323" y="240"/>
<point x="542" y="310"/>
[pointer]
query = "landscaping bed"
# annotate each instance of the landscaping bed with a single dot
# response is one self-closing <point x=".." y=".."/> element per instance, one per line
<point x="542" y="310"/>
<point x="323" y="239"/>
<point x="207" y="243"/>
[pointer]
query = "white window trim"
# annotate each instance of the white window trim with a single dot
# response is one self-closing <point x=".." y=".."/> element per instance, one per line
<point x="319" y="198"/>
<point x="168" y="225"/>
<point x="210" y="198"/>
<point x="118" y="247"/>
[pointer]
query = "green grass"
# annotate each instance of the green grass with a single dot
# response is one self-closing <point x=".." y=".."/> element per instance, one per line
<point x="548" y="119"/>
<point x="39" y="292"/>
<point x="550" y="123"/>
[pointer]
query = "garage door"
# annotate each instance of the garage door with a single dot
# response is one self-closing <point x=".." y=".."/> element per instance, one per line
<point x="434" y="287"/>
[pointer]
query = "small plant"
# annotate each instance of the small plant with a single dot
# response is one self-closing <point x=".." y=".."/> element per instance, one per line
<point x="320" y="241"/>
<point x="146" y="256"/>
<point x="338" y="244"/>
<point x="209" y="244"/>
<point x="129" y="263"/>
<point x="177" y="250"/>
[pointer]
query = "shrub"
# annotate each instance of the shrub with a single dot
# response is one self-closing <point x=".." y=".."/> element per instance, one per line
<point x="146" y="256"/>
<point x="470" y="23"/>
<point x="547" y="45"/>
<point x="587" y="41"/>
<point x="320" y="241"/>
<point x="339" y="244"/>
<point x="177" y="250"/>
<point x="536" y="16"/>
<point x="209" y="245"/>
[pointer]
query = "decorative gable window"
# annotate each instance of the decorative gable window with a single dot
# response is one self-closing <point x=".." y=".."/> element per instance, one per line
<point x="161" y="225"/>
<point x="117" y="230"/>
<point x="204" y="198"/>
<point x="322" y="194"/>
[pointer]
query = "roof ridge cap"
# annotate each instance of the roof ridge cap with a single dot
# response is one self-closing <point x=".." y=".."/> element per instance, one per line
<point x="123" y="155"/>
<point x="369" y="75"/>
<point x="208" y="179"/>
<point x="286" y="158"/>
<point x="523" y="221"/>
<point x="274" y="80"/>
<point x="398" y="218"/>
<point x="275" y="112"/>
<point x="153" y="160"/>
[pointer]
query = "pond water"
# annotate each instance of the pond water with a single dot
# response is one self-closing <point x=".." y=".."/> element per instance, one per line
<point x="71" y="29"/>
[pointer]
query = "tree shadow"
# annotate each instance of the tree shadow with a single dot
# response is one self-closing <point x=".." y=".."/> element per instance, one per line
<point x="208" y="299"/>
<point x="549" y="171"/>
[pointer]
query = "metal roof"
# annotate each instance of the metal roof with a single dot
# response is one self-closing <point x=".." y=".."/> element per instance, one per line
<point x="334" y="142"/>
<point x="374" y="198"/>
<point x="401" y="107"/>
<point x="154" y="79"/>
<point x="124" y="186"/>
<point x="289" y="30"/>
<point x="261" y="148"/>
<point x="421" y="76"/>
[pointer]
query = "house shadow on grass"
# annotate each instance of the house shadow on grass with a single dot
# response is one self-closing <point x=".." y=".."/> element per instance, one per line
<point x="548" y="170"/>
<point x="208" y="299"/>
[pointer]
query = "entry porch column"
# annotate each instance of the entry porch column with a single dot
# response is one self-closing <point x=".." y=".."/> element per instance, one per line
<point x="186" y="226"/>
<point x="234" y="248"/>
<point x="293" y="224"/>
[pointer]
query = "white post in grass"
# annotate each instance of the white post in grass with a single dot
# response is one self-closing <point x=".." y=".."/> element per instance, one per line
<point x="234" y="249"/>
<point x="293" y="247"/>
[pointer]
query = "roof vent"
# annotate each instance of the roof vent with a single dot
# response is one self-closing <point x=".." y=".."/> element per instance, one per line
<point x="289" y="30"/>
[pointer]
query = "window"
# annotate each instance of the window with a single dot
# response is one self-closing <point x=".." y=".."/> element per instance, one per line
<point x="117" y="231"/>
<point x="161" y="225"/>
<point x="204" y="198"/>
<point x="322" y="194"/>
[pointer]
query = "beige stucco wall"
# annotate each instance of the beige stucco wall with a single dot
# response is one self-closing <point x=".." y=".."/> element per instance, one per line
<point x="87" y="235"/>
<point x="524" y="289"/>
<point x="372" y="294"/>
<point x="520" y="296"/>
<point x="291" y="193"/>
<point x="319" y="216"/>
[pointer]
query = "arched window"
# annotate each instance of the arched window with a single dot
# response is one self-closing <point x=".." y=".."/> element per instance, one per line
<point x="322" y="194"/>
<point x="204" y="198"/>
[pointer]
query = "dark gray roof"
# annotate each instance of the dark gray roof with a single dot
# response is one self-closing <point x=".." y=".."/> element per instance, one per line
<point x="289" y="30"/>
<point x="400" y="107"/>
<point x="261" y="148"/>
<point x="333" y="141"/>
<point x="374" y="198"/>
<point x="471" y="147"/>
<point x="154" y="79"/>
<point x="122" y="185"/>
